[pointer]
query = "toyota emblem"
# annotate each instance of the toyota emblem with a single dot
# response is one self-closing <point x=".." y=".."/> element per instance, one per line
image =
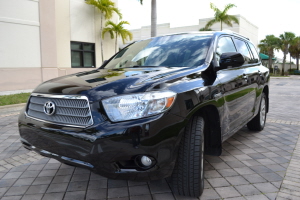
<point x="49" y="108"/>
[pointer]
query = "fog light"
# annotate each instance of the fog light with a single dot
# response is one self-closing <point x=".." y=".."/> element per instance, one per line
<point x="146" y="161"/>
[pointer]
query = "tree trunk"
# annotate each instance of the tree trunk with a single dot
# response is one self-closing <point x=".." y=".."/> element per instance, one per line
<point x="153" y="18"/>
<point x="116" y="47"/>
<point x="284" y="59"/>
<point x="297" y="62"/>
<point x="221" y="25"/>
<point x="290" y="63"/>
<point x="270" y="63"/>
<point x="101" y="41"/>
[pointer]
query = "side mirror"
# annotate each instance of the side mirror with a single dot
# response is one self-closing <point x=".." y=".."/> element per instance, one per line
<point x="104" y="63"/>
<point x="231" y="59"/>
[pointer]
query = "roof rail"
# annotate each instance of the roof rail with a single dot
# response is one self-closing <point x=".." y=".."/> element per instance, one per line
<point x="235" y="33"/>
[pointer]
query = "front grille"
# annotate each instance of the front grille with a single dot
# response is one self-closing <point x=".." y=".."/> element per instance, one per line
<point x="70" y="110"/>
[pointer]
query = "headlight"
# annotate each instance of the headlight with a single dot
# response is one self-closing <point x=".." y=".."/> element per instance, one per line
<point x="134" y="106"/>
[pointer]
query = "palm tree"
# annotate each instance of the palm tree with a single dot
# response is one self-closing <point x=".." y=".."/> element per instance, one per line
<point x="285" y="40"/>
<point x="116" y="30"/>
<point x="222" y="16"/>
<point x="268" y="45"/>
<point x="153" y="17"/>
<point x="107" y="9"/>
<point x="294" y="50"/>
<point x="205" y="29"/>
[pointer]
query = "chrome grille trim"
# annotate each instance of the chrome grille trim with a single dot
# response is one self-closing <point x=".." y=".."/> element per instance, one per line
<point x="72" y="110"/>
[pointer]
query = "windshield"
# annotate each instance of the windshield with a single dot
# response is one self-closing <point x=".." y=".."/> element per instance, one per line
<point x="186" y="50"/>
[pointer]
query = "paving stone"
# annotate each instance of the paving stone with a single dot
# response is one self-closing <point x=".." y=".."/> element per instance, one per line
<point x="117" y="192"/>
<point x="14" y="191"/>
<point x="12" y="175"/>
<point x="260" y="169"/>
<point x="54" y="196"/>
<point x="212" y="174"/>
<point x="116" y="183"/>
<point x="37" y="189"/>
<point x="3" y="191"/>
<point x="139" y="190"/>
<point x="30" y="174"/>
<point x="271" y="176"/>
<point x="61" y="179"/>
<point x="144" y="197"/>
<point x="266" y="187"/>
<point x="42" y="181"/>
<point x="165" y="196"/>
<point x="227" y="172"/>
<point x="237" y="180"/>
<point x="226" y="192"/>
<point x="24" y="181"/>
<point x="74" y="195"/>
<point x="235" y="164"/>
<point x="254" y="178"/>
<point x="159" y="186"/>
<point x="220" y="165"/>
<point x="32" y="197"/>
<point x="7" y="182"/>
<point x="244" y="170"/>
<point x="96" y="194"/>
<point x="77" y="186"/>
<point x="47" y="173"/>
<point x="247" y="190"/>
<point x="218" y="182"/>
<point x="57" y="187"/>
<point x="256" y="197"/>
<point x="97" y="184"/>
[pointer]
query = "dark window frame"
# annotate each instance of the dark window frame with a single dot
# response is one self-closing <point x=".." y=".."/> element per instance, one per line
<point x="82" y="51"/>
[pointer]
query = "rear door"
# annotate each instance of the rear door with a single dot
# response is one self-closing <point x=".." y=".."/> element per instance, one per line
<point x="251" y="75"/>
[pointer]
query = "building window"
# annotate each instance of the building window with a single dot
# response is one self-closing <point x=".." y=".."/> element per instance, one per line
<point x="82" y="54"/>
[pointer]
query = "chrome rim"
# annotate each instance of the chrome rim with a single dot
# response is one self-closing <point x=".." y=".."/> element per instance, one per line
<point x="262" y="111"/>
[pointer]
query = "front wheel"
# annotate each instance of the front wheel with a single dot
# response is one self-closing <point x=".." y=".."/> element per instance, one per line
<point x="259" y="121"/>
<point x="188" y="177"/>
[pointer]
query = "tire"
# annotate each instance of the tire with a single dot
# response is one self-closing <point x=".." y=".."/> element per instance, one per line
<point x="259" y="121"/>
<point x="188" y="175"/>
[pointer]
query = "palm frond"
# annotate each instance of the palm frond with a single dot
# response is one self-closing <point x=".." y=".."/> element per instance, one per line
<point x="227" y="7"/>
<point x="210" y="23"/>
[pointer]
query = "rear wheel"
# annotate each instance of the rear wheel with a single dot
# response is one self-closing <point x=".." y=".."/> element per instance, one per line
<point x="188" y="177"/>
<point x="259" y="121"/>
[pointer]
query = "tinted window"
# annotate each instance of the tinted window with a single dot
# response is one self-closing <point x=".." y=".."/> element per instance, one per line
<point x="82" y="54"/>
<point x="243" y="49"/>
<point x="254" y="53"/>
<point x="185" y="50"/>
<point x="225" y="45"/>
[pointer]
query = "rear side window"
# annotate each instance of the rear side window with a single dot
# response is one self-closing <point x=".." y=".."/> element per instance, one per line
<point x="254" y="53"/>
<point x="243" y="49"/>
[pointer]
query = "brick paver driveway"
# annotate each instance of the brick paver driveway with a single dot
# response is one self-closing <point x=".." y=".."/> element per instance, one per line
<point x="254" y="165"/>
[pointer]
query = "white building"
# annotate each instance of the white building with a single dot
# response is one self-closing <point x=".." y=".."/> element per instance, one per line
<point x="44" y="39"/>
<point x="244" y="28"/>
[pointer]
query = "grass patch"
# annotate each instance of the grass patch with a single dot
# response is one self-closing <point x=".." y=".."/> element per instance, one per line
<point x="14" y="99"/>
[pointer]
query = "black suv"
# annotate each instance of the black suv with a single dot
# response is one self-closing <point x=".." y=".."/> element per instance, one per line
<point x="153" y="109"/>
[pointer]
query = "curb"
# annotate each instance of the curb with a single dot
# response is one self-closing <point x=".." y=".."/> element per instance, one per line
<point x="12" y="106"/>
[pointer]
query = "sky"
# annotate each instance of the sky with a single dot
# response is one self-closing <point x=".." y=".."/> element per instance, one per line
<point x="270" y="16"/>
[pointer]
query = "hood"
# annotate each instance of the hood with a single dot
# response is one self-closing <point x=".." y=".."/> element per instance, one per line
<point x="102" y="83"/>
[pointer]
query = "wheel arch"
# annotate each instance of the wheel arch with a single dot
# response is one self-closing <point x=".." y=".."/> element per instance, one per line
<point x="212" y="130"/>
<point x="266" y="91"/>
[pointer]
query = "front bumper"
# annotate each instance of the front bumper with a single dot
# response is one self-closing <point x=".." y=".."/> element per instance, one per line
<point x="109" y="149"/>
